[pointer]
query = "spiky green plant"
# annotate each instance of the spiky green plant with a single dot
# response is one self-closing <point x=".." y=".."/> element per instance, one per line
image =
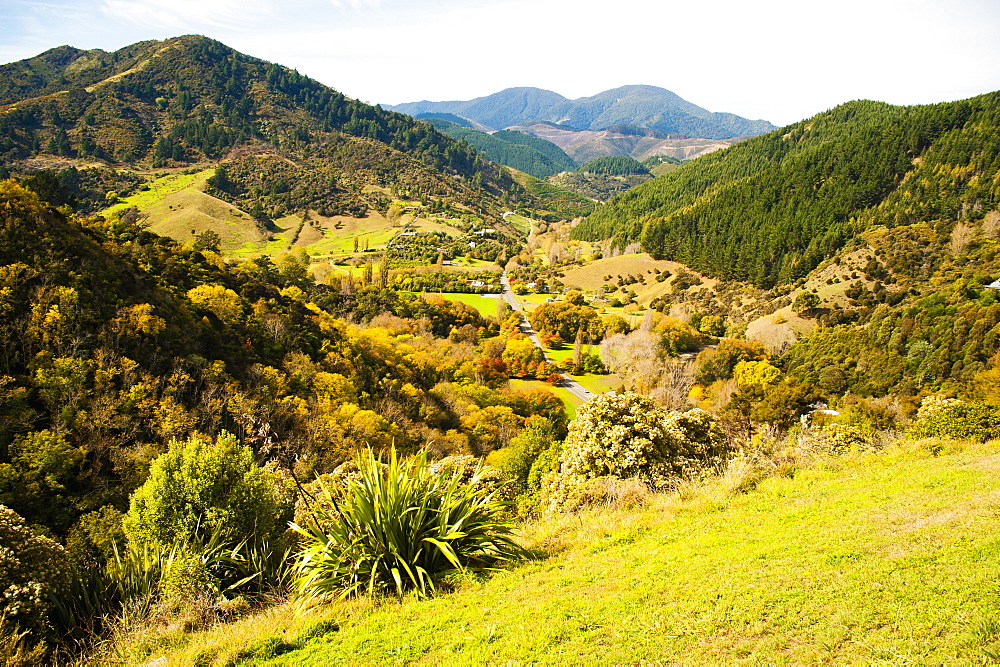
<point x="398" y="527"/>
<point x="245" y="566"/>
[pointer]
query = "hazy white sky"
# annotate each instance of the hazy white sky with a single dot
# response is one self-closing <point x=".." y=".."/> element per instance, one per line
<point x="781" y="60"/>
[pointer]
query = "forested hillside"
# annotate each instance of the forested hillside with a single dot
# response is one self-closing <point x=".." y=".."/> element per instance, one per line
<point x="118" y="341"/>
<point x="523" y="152"/>
<point x="190" y="99"/>
<point x="770" y="209"/>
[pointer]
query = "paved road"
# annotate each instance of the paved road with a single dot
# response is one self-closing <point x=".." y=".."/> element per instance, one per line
<point x="574" y="387"/>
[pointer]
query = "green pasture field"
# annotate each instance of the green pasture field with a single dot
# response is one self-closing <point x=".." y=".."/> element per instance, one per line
<point x="598" y="384"/>
<point x="159" y="188"/>
<point x="520" y="223"/>
<point x="432" y="224"/>
<point x="559" y="356"/>
<point x="531" y="301"/>
<point x="487" y="306"/>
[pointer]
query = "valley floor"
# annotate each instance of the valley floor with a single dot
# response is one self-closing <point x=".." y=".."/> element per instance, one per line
<point x="893" y="556"/>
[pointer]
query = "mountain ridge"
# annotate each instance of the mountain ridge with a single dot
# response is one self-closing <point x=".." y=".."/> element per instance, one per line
<point x="770" y="209"/>
<point x="642" y="105"/>
<point x="191" y="102"/>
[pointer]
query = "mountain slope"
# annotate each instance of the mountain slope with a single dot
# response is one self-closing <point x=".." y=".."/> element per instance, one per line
<point x="772" y="208"/>
<point x="643" y="106"/>
<point x="191" y="100"/>
<point x="523" y="152"/>
<point x="586" y="145"/>
<point x="497" y="111"/>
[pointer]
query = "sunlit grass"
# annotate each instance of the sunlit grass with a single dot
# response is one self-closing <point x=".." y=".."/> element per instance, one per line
<point x="531" y="301"/>
<point x="486" y="305"/>
<point x="570" y="400"/>
<point x="598" y="384"/>
<point x="157" y="190"/>
<point x="884" y="557"/>
<point x="520" y="223"/>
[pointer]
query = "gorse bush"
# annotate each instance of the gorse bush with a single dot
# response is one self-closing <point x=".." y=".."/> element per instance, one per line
<point x="398" y="527"/>
<point x="942" y="417"/>
<point x="516" y="460"/>
<point x="206" y="526"/>
<point x="839" y="439"/>
<point x="33" y="569"/>
<point x="528" y="458"/>
<point x="628" y="436"/>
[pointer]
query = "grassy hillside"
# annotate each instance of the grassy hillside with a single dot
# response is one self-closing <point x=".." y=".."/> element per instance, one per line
<point x="769" y="210"/>
<point x="872" y="557"/>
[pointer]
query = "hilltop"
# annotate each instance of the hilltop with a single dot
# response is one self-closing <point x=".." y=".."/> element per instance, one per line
<point x="637" y="121"/>
<point x="113" y="122"/>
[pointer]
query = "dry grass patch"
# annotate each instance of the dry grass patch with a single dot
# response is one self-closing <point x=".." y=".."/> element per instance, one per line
<point x="591" y="275"/>
<point x="779" y="330"/>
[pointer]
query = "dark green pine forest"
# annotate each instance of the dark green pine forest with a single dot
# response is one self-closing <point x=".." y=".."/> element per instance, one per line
<point x="532" y="155"/>
<point x="770" y="209"/>
<point x="912" y="191"/>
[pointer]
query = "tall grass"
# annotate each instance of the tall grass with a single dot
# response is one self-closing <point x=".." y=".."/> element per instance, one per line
<point x="400" y="527"/>
<point x="140" y="585"/>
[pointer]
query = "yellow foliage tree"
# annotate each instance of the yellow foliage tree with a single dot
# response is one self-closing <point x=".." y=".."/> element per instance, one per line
<point x="223" y="302"/>
<point x="761" y="373"/>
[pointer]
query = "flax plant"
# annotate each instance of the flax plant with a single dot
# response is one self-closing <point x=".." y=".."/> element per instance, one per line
<point x="399" y="527"/>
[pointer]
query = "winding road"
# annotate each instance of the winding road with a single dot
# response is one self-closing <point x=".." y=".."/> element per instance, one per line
<point x="574" y="387"/>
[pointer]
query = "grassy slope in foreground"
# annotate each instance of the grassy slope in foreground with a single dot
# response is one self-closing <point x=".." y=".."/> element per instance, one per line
<point x="879" y="557"/>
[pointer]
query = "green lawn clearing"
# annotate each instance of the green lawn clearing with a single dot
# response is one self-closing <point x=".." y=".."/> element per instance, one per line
<point x="568" y="398"/>
<point x="486" y="305"/>
<point x="599" y="384"/>
<point x="158" y="189"/>
<point x="519" y="222"/>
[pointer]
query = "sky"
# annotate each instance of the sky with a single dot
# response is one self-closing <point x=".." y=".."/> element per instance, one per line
<point x="780" y="60"/>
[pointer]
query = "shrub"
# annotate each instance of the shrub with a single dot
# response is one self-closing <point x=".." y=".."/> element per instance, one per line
<point x="196" y="575"/>
<point x="839" y="439"/>
<point x="33" y="569"/>
<point x="198" y="488"/>
<point x="207" y="523"/>
<point x="516" y="460"/>
<point x="186" y="581"/>
<point x="951" y="418"/>
<point x="398" y="527"/>
<point x="805" y="302"/>
<point x="627" y="436"/>
<point x="16" y="647"/>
